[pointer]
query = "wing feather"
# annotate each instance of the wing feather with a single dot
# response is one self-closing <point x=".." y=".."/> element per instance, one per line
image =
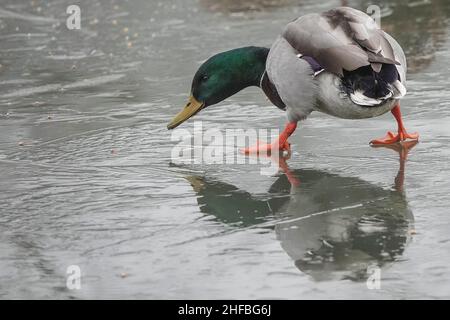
<point x="341" y="39"/>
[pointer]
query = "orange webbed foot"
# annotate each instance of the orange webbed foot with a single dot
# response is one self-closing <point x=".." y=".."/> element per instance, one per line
<point x="264" y="148"/>
<point x="402" y="135"/>
<point x="391" y="138"/>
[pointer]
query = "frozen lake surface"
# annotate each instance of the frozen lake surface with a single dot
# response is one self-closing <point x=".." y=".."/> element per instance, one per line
<point x="87" y="177"/>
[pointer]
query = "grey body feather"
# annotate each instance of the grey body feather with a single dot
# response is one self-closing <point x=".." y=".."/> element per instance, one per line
<point x="339" y="39"/>
<point x="292" y="79"/>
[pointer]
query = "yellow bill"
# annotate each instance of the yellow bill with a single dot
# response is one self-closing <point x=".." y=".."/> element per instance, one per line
<point x="192" y="107"/>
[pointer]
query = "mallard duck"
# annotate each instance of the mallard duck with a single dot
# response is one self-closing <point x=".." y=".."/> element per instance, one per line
<point x="338" y="62"/>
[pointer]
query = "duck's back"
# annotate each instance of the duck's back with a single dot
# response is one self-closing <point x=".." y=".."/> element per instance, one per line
<point x="359" y="59"/>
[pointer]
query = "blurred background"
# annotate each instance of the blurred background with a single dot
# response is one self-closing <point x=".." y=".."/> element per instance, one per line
<point x="87" y="177"/>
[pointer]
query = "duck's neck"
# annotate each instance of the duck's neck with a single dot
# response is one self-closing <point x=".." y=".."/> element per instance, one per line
<point x="252" y="64"/>
<point x="245" y="66"/>
<point x="253" y="72"/>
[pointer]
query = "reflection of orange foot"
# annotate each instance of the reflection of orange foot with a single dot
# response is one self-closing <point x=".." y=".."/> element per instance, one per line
<point x="281" y="161"/>
<point x="284" y="166"/>
<point x="267" y="148"/>
<point x="402" y="149"/>
<point x="391" y="138"/>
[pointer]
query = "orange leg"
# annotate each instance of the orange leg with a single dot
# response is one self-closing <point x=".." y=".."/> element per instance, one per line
<point x="402" y="134"/>
<point x="402" y="149"/>
<point x="281" y="144"/>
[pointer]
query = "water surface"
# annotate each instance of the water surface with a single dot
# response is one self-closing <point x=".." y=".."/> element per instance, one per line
<point x="87" y="177"/>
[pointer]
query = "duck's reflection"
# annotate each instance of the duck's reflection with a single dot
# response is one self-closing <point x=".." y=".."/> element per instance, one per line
<point x="331" y="226"/>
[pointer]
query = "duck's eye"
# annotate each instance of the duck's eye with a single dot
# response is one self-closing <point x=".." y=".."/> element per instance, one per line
<point x="205" y="77"/>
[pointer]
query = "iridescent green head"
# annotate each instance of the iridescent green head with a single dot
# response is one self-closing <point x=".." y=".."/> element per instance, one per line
<point x="222" y="76"/>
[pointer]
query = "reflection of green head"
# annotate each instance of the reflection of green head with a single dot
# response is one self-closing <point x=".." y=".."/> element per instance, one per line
<point x="244" y="211"/>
